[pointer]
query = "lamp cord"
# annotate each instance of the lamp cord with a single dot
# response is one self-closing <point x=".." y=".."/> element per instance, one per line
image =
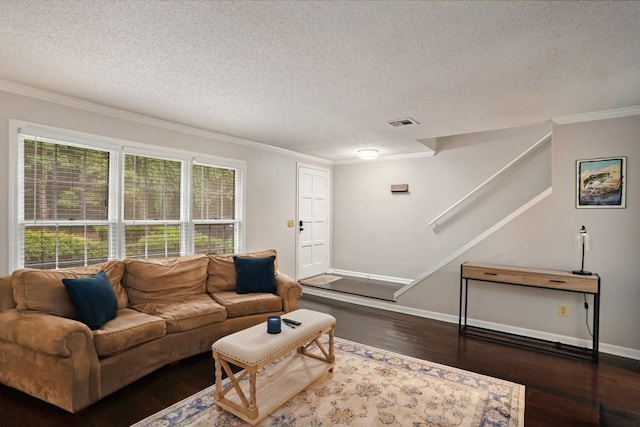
<point x="586" y="314"/>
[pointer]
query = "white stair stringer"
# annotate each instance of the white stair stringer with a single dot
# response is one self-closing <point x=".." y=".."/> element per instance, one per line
<point x="475" y="241"/>
<point x="527" y="152"/>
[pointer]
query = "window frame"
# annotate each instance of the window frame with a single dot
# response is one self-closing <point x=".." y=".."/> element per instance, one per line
<point x="118" y="149"/>
<point x="23" y="223"/>
<point x="238" y="221"/>
<point x="185" y="197"/>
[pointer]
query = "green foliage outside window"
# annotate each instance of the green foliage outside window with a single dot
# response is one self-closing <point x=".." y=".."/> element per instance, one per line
<point x="214" y="238"/>
<point x="152" y="241"/>
<point x="72" y="247"/>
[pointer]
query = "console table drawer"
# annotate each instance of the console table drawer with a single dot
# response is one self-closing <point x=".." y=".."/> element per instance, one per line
<point x="568" y="282"/>
<point x="491" y="274"/>
<point x="531" y="277"/>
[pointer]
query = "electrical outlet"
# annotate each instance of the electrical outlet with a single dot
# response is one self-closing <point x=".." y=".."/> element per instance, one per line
<point x="563" y="310"/>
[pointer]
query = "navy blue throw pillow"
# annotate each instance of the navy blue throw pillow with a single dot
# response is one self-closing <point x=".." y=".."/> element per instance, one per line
<point x="255" y="275"/>
<point x="93" y="298"/>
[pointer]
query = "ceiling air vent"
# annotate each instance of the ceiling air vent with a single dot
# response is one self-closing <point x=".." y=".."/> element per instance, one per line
<point x="403" y="122"/>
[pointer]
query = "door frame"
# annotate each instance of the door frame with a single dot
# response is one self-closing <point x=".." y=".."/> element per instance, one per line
<point x="329" y="205"/>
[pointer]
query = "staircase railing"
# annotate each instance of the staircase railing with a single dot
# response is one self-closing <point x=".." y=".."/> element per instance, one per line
<point x="456" y="205"/>
<point x="475" y="241"/>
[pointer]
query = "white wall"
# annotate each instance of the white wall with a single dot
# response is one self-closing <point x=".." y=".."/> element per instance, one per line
<point x="271" y="176"/>
<point x="377" y="232"/>
<point x="544" y="237"/>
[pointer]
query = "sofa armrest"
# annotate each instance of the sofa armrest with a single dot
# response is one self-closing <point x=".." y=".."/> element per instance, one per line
<point x="6" y="293"/>
<point x="289" y="290"/>
<point x="49" y="357"/>
<point x="45" y="333"/>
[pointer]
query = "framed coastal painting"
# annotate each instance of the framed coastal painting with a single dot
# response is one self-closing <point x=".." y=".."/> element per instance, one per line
<point x="601" y="183"/>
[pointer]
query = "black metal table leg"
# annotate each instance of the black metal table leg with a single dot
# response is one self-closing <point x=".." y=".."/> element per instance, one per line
<point x="596" y="324"/>
<point x="460" y="305"/>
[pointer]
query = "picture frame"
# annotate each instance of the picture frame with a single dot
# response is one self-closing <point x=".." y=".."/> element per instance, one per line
<point x="601" y="183"/>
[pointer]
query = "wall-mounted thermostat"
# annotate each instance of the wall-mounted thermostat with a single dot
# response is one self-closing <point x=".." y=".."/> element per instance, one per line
<point x="399" y="188"/>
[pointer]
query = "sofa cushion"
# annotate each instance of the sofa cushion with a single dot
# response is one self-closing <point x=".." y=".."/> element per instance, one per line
<point x="42" y="290"/>
<point x="165" y="279"/>
<point x="255" y="274"/>
<point x="186" y="313"/>
<point x="128" y="329"/>
<point x="244" y="304"/>
<point x="222" y="270"/>
<point x="93" y="299"/>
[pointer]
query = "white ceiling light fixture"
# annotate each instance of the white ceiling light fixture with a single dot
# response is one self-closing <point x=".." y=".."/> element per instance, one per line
<point x="368" y="154"/>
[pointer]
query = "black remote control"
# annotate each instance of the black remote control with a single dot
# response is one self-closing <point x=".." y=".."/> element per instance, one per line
<point x="291" y="322"/>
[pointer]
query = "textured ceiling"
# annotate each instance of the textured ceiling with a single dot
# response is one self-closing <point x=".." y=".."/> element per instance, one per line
<point x="323" y="78"/>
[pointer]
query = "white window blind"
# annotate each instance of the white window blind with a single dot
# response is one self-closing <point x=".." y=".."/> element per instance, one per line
<point x="152" y="206"/>
<point x="82" y="202"/>
<point x="65" y="203"/>
<point x="215" y="213"/>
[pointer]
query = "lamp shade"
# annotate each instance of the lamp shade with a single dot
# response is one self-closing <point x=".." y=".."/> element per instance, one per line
<point x="368" y="154"/>
<point x="584" y="242"/>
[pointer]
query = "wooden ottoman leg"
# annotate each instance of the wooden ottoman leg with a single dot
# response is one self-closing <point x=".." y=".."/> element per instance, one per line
<point x="253" y="408"/>
<point x="218" y="391"/>
<point x="332" y="356"/>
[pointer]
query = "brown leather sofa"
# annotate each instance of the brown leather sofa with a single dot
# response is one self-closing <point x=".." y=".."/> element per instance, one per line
<point x="168" y="309"/>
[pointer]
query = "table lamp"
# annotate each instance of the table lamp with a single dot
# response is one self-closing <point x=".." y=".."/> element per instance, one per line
<point x="584" y="241"/>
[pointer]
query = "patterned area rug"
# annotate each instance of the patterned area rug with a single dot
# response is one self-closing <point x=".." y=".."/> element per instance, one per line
<point x="322" y="280"/>
<point x="369" y="387"/>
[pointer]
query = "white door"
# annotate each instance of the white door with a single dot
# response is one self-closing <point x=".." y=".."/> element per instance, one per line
<point x="313" y="221"/>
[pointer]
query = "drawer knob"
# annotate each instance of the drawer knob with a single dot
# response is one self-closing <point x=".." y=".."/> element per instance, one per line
<point x="490" y="274"/>
<point x="557" y="281"/>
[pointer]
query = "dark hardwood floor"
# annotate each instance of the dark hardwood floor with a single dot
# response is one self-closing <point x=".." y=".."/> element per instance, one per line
<point x="559" y="391"/>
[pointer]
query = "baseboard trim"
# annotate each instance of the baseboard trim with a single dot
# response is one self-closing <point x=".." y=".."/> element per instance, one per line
<point x="615" y="350"/>
<point x="391" y="279"/>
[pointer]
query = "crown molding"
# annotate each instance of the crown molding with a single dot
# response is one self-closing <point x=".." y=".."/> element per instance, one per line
<point x="597" y="115"/>
<point x="69" y="101"/>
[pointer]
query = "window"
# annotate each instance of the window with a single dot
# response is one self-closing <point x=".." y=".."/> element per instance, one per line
<point x="82" y="203"/>
<point x="214" y="209"/>
<point x="152" y="195"/>
<point x="65" y="200"/>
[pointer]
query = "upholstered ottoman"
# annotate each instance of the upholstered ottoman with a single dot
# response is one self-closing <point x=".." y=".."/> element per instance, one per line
<point x="254" y="348"/>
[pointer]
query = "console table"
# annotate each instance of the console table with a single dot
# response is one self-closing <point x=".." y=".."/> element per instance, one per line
<point x="537" y="278"/>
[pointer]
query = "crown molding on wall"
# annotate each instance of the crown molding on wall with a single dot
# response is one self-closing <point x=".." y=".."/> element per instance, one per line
<point x="69" y="101"/>
<point x="597" y="115"/>
<point x="48" y="96"/>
